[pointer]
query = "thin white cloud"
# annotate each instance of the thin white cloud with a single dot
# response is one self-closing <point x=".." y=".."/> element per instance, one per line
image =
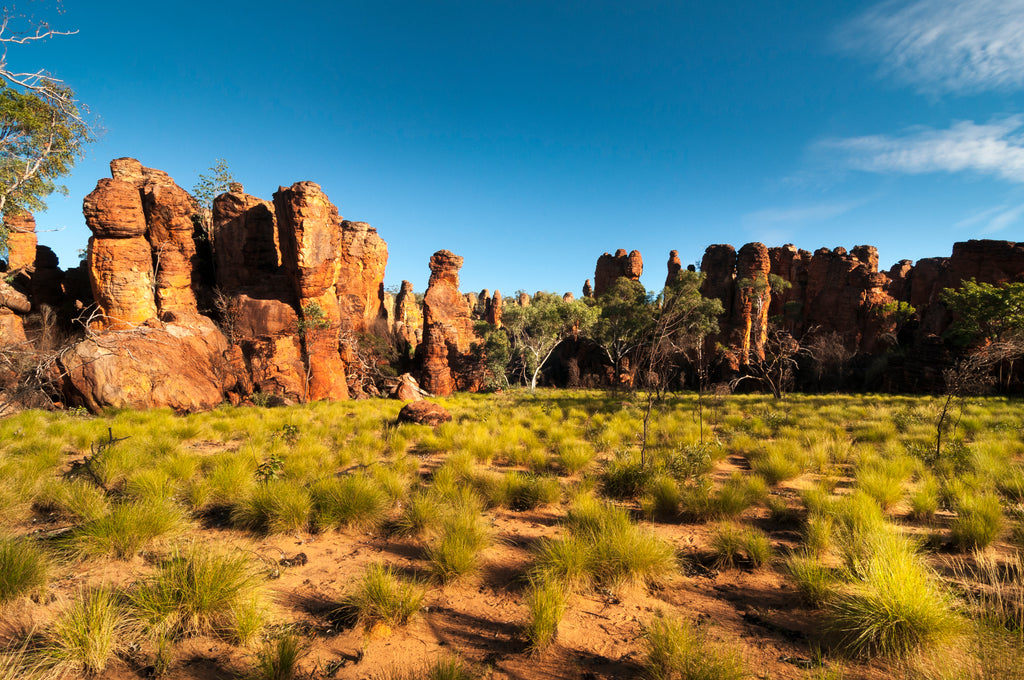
<point x="994" y="219"/>
<point x="799" y="214"/>
<point x="994" y="149"/>
<point x="958" y="46"/>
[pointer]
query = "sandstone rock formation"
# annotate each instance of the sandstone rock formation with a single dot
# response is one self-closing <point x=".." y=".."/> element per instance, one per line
<point x="21" y="241"/>
<point x="753" y="297"/>
<point x="447" y="326"/>
<point x="675" y="265"/>
<point x="310" y="236"/>
<point x="408" y="324"/>
<point x="494" y="304"/>
<point x="120" y="258"/>
<point x="360" y="286"/>
<point x="611" y="267"/>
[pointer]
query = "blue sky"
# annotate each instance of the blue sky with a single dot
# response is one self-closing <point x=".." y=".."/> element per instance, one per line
<point x="530" y="137"/>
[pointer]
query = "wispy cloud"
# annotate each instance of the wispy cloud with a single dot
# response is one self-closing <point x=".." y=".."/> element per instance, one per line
<point x="995" y="149"/>
<point x="994" y="219"/>
<point x="958" y="46"/>
<point x="799" y="214"/>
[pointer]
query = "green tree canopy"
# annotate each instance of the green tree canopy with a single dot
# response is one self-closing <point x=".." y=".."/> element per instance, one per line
<point x="626" y="318"/>
<point x="42" y="127"/>
<point x="537" y="329"/>
<point x="983" y="311"/>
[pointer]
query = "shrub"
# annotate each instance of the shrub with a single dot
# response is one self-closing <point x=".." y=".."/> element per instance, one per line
<point x="277" y="506"/>
<point x="625" y="477"/>
<point x="382" y="597"/>
<point x="676" y="651"/>
<point x="662" y="499"/>
<point x="776" y="466"/>
<point x="353" y="500"/>
<point x="978" y="522"/>
<point x="566" y="561"/>
<point x="127" y="529"/>
<point x="443" y="668"/>
<point x="519" y="491"/>
<point x="624" y="553"/>
<point x="279" y="657"/>
<point x="546" y="601"/>
<point x="882" y="484"/>
<point x="457" y="551"/>
<point x="814" y="580"/>
<point x="894" y="605"/>
<point x="924" y="501"/>
<point x="23" y="568"/>
<point x="730" y="542"/>
<point x="421" y="515"/>
<point x="196" y="592"/>
<point x="85" y="636"/>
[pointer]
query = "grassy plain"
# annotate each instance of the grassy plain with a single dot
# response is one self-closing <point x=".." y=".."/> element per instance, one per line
<point x="810" y="537"/>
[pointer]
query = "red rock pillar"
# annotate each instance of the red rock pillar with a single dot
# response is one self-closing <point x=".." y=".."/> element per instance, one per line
<point x="120" y="259"/>
<point x="169" y="210"/>
<point x="310" y="241"/>
<point x="754" y="296"/>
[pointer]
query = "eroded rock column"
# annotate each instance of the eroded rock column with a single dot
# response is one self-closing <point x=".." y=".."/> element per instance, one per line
<point x="310" y="234"/>
<point x="120" y="259"/>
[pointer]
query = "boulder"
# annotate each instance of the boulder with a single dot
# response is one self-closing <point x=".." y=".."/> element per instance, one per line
<point x="180" y="365"/>
<point x="407" y="389"/>
<point x="424" y="413"/>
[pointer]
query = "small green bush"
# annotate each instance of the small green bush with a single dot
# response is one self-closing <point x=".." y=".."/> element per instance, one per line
<point x="198" y="591"/>
<point x="546" y="601"/>
<point x="675" y="651"/>
<point x="353" y="500"/>
<point x="731" y="542"/>
<point x="23" y="568"/>
<point x="978" y="523"/>
<point x="127" y="529"/>
<point x="457" y="551"/>
<point x="894" y="604"/>
<point x="382" y="597"/>
<point x="85" y="636"/>
<point x="814" y="580"/>
<point x="275" y="507"/>
<point x="279" y="657"/>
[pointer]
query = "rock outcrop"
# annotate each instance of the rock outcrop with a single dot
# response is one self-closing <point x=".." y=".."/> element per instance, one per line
<point x="310" y="237"/>
<point x="180" y="365"/>
<point x="360" y="286"/>
<point x="120" y="259"/>
<point x="424" y="413"/>
<point x="447" y="326"/>
<point x="493" y="311"/>
<point x="408" y="324"/>
<point x="611" y="267"/>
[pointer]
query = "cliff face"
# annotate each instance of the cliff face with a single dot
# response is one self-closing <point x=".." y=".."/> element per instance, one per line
<point x="843" y="294"/>
<point x="290" y="275"/>
<point x="296" y="285"/>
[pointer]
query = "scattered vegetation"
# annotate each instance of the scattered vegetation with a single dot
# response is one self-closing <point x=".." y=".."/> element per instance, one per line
<point x="841" y="492"/>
